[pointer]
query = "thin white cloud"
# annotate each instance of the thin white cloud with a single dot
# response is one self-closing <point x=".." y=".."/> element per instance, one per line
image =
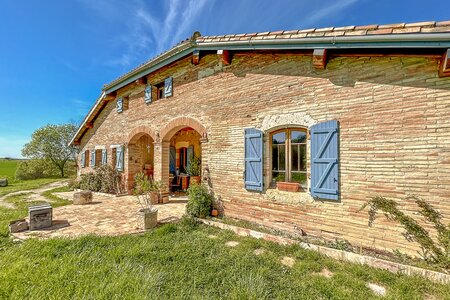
<point x="81" y="107"/>
<point x="328" y="11"/>
<point x="145" y="33"/>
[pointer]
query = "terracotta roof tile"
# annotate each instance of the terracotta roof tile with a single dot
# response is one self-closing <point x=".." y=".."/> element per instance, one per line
<point x="291" y="32"/>
<point x="380" y="31"/>
<point x="344" y="28"/>
<point x="420" y="24"/>
<point x="277" y="32"/>
<point x="298" y="35"/>
<point x="443" y="23"/>
<point x="324" y="29"/>
<point x="366" y="27"/>
<point x="307" y="30"/>
<point x="407" y="29"/>
<point x="356" y="32"/>
<point x="436" y="29"/>
<point x="316" y="34"/>
<point x="397" y="25"/>
<point x="335" y="33"/>
<point x="263" y="33"/>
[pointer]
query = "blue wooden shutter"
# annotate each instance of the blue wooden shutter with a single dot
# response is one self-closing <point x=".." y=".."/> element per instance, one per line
<point x="168" y="87"/>
<point x="253" y="174"/>
<point x="119" y="105"/>
<point x="173" y="157"/>
<point x="325" y="160"/>
<point x="119" y="158"/>
<point x="104" y="157"/>
<point x="83" y="159"/>
<point x="92" y="158"/>
<point x="148" y="94"/>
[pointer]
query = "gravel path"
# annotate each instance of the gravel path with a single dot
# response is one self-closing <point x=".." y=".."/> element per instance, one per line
<point x="33" y="195"/>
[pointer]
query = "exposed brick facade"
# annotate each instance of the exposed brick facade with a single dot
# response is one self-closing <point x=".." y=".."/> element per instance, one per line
<point x="394" y="133"/>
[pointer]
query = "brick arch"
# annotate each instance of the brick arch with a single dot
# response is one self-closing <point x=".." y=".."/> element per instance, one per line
<point x="178" y="123"/>
<point x="138" y="132"/>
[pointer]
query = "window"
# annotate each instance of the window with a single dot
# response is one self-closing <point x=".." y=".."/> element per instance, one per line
<point x="289" y="156"/>
<point x="98" y="157"/>
<point x="114" y="157"/>
<point x="86" y="159"/>
<point x="160" y="90"/>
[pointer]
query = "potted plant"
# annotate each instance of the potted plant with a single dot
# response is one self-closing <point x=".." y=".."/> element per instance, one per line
<point x="195" y="169"/>
<point x="147" y="192"/>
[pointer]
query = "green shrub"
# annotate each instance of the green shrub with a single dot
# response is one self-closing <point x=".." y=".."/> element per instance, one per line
<point x="104" y="179"/>
<point x="200" y="201"/>
<point x="34" y="169"/>
<point x="435" y="250"/>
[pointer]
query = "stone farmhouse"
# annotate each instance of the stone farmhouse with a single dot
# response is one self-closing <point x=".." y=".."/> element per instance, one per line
<point x="295" y="130"/>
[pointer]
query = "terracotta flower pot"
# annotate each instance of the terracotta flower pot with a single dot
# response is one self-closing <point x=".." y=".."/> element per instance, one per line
<point x="288" y="186"/>
<point x="214" y="212"/>
<point x="147" y="218"/>
<point x="196" y="179"/>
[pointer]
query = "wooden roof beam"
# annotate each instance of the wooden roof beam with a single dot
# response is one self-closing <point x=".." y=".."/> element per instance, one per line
<point x="141" y="81"/>
<point x="320" y="58"/>
<point x="110" y="96"/>
<point x="444" y="69"/>
<point x="196" y="57"/>
<point x="224" y="56"/>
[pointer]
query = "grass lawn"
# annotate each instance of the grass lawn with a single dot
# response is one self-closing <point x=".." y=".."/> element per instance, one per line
<point x="183" y="261"/>
<point x="186" y="261"/>
<point x="21" y="210"/>
<point x="8" y="168"/>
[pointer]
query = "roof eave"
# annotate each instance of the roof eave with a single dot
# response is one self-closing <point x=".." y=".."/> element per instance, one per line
<point x="411" y="40"/>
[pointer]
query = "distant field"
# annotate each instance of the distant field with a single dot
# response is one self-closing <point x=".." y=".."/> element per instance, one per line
<point x="8" y="168"/>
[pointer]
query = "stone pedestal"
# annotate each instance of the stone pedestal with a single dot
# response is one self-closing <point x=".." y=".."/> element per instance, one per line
<point x="18" y="226"/>
<point x="40" y="216"/>
<point x="3" y="182"/>
<point x="83" y="197"/>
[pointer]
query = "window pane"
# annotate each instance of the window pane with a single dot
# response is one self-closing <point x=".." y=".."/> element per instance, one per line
<point x="302" y="157"/>
<point x="282" y="157"/>
<point x="298" y="136"/>
<point x="279" y="138"/>
<point x="295" y="158"/>
<point x="275" y="157"/>
<point x="299" y="178"/>
<point x="278" y="176"/>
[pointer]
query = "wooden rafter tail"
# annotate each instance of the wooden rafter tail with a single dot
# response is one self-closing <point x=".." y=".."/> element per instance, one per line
<point x="224" y="56"/>
<point x="110" y="96"/>
<point x="444" y="69"/>
<point x="196" y="57"/>
<point x="141" y="81"/>
<point x="89" y="125"/>
<point x="320" y="58"/>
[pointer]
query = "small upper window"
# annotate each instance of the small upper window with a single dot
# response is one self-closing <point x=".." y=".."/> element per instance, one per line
<point x="160" y="90"/>
<point x="289" y="156"/>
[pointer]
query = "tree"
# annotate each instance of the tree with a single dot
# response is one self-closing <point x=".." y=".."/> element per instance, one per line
<point x="51" y="142"/>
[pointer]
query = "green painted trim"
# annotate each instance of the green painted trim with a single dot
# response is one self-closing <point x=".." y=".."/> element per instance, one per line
<point x="150" y="69"/>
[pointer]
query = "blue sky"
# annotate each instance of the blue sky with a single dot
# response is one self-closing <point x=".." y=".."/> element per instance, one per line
<point x="56" y="55"/>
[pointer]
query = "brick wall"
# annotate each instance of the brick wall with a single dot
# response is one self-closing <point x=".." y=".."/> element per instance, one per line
<point x="394" y="133"/>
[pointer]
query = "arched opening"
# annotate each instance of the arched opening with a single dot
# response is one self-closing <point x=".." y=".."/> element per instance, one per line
<point x="140" y="157"/>
<point x="184" y="160"/>
<point x="182" y="140"/>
